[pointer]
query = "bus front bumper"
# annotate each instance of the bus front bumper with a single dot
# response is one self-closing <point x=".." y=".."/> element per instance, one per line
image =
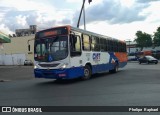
<point x="59" y="73"/>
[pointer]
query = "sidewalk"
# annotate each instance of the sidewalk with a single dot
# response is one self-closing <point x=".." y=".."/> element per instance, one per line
<point x="14" y="66"/>
<point x="9" y="73"/>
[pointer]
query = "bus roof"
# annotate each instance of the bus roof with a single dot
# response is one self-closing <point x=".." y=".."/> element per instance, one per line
<point x="95" y="34"/>
<point x="86" y="32"/>
<point x="92" y="33"/>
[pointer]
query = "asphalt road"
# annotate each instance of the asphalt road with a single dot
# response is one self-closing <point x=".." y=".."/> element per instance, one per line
<point x="135" y="85"/>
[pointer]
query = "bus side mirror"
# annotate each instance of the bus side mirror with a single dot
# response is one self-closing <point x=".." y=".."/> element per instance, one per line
<point x="29" y="47"/>
<point x="73" y="39"/>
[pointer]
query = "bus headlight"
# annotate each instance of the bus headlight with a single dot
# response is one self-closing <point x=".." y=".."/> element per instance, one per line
<point x="35" y="67"/>
<point x="64" y="66"/>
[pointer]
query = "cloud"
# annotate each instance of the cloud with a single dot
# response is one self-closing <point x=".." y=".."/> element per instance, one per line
<point x="65" y="21"/>
<point x="17" y="17"/>
<point x="74" y="1"/>
<point x="113" y="12"/>
<point x="14" y="19"/>
<point x="14" y="15"/>
<point x="146" y="1"/>
<point x="5" y="29"/>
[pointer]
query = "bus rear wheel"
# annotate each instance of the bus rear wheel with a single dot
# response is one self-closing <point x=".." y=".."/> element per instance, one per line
<point x="87" y="72"/>
<point x="115" y="70"/>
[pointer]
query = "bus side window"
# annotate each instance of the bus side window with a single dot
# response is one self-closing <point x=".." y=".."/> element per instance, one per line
<point x="124" y="47"/>
<point x="75" y="45"/>
<point x="93" y="43"/>
<point x="109" y="45"/>
<point x="96" y="44"/>
<point x="121" y="47"/>
<point x="106" y="49"/>
<point x="115" y="46"/>
<point x="86" y="42"/>
<point x="102" y="44"/>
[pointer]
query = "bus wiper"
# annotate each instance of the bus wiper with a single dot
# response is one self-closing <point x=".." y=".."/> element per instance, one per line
<point x="54" y="40"/>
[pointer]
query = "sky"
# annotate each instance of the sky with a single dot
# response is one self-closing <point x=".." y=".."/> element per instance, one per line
<point x="119" y="19"/>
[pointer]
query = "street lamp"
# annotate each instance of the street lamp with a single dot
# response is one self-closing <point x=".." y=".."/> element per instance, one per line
<point x="83" y="8"/>
<point x="128" y="40"/>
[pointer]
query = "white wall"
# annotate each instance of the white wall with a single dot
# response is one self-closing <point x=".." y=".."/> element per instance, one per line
<point x="12" y="59"/>
<point x="2" y="59"/>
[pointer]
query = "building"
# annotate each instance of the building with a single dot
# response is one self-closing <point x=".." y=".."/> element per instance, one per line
<point x="131" y="47"/>
<point x="26" y="32"/>
<point x="16" y="52"/>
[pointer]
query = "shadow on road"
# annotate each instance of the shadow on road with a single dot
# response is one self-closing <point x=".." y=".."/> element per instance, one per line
<point x="78" y="80"/>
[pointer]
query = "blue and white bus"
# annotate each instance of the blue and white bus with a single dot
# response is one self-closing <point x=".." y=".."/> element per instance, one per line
<point x="67" y="52"/>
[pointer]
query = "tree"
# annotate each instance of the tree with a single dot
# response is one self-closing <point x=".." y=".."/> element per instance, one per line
<point x="156" y="38"/>
<point x="143" y="39"/>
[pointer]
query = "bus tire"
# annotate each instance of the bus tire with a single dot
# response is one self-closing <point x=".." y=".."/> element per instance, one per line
<point x="115" y="70"/>
<point x="87" y="72"/>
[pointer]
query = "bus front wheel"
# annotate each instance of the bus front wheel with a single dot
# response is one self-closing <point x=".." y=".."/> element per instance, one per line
<point x="87" y="72"/>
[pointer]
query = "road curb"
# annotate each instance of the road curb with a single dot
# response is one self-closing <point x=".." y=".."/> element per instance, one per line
<point x="2" y="80"/>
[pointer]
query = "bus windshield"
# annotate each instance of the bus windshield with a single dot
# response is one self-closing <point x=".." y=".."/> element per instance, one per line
<point x="51" y="48"/>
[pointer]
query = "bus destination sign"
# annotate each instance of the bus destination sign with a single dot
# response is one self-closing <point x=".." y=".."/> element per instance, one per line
<point x="52" y="32"/>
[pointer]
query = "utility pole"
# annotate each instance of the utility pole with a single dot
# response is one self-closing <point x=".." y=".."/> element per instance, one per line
<point x="80" y="14"/>
<point x="84" y="18"/>
<point x="83" y="9"/>
<point x="128" y="40"/>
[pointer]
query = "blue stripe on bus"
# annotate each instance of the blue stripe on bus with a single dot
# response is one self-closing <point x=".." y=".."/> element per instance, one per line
<point x="74" y="72"/>
<point x="69" y="73"/>
<point x="102" y="68"/>
<point x="112" y="56"/>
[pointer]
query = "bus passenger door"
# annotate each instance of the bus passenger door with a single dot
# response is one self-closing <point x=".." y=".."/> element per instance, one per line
<point x="75" y="50"/>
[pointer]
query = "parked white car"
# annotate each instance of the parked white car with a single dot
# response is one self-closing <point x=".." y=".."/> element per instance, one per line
<point x="28" y="62"/>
